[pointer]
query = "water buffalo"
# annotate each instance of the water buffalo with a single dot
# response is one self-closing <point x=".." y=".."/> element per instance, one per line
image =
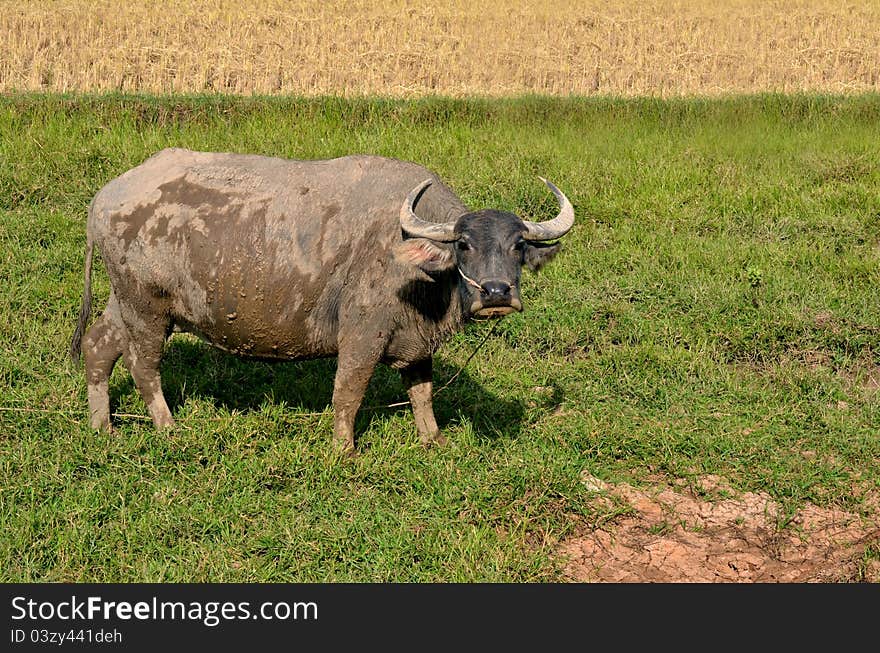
<point x="281" y="259"/>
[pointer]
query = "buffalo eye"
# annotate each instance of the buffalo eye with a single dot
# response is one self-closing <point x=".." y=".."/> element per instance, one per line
<point x="462" y="246"/>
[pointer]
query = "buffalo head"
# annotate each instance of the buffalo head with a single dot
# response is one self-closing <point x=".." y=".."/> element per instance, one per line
<point x="487" y="248"/>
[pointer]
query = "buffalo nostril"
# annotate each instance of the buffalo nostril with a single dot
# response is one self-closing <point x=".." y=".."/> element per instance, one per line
<point x="495" y="289"/>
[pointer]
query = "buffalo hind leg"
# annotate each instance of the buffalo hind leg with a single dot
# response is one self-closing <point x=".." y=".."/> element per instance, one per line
<point x="353" y="373"/>
<point x="418" y="378"/>
<point x="103" y="344"/>
<point x="142" y="358"/>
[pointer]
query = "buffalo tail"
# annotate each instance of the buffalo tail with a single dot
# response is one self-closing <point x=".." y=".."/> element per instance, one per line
<point x="85" y="309"/>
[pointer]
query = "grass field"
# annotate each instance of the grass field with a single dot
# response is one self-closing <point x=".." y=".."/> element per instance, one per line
<point x="715" y="311"/>
<point x="405" y="49"/>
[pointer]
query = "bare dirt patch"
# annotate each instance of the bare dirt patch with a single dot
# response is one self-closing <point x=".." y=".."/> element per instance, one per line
<point x="675" y="535"/>
<point x="871" y="382"/>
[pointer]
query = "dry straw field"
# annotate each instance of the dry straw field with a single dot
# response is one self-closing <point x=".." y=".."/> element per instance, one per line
<point x="451" y="47"/>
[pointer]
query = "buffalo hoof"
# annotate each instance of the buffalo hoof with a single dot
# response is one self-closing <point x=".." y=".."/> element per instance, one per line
<point x="101" y="424"/>
<point x="435" y="441"/>
<point x="345" y="448"/>
<point x="104" y="429"/>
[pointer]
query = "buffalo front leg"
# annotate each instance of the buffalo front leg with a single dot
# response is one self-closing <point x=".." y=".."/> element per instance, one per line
<point x="353" y="375"/>
<point x="418" y="378"/>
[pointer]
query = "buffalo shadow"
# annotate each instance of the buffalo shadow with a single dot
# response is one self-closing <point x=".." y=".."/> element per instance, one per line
<point x="194" y="369"/>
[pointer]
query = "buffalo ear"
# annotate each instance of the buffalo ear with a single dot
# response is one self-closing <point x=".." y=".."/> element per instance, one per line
<point x="537" y="255"/>
<point x="424" y="254"/>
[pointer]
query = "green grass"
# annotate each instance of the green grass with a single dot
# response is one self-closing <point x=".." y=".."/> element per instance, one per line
<point x="716" y="309"/>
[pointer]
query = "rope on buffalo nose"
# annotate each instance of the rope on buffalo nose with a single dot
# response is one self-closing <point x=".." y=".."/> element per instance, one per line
<point x="482" y="342"/>
<point x="469" y="358"/>
<point x="470" y="281"/>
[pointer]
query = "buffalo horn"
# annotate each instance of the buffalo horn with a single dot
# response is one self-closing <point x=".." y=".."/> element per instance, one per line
<point x="415" y="226"/>
<point x="558" y="226"/>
